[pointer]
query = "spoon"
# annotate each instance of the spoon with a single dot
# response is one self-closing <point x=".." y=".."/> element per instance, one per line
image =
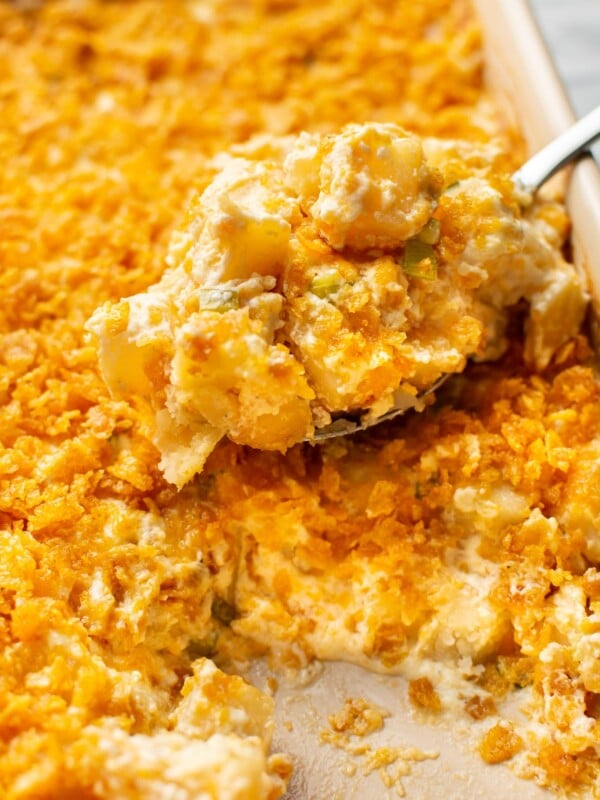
<point x="568" y="146"/>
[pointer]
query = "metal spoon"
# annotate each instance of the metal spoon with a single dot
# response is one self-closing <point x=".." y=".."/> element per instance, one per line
<point x="574" y="142"/>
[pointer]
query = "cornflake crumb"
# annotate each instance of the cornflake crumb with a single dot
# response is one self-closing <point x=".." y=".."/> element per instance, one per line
<point x="500" y="743"/>
<point x="479" y="707"/>
<point x="359" y="718"/>
<point x="422" y="695"/>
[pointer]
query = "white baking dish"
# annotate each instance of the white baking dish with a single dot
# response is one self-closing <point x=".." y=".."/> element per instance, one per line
<point x="521" y="72"/>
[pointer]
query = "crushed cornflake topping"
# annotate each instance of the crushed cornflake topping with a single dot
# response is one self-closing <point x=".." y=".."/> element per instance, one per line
<point x="116" y="590"/>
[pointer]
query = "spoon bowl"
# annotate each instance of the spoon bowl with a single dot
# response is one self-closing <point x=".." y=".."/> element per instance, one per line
<point x="564" y="149"/>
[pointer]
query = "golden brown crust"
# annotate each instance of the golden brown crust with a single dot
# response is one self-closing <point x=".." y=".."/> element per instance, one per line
<point x="111" y="582"/>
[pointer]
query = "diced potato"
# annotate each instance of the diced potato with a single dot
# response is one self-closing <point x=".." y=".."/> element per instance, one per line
<point x="374" y="189"/>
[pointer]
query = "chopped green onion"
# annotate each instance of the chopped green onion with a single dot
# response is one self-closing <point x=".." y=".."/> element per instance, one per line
<point x="430" y="234"/>
<point x="202" y="648"/>
<point x="452" y="185"/>
<point x="222" y="611"/>
<point x="219" y="299"/>
<point x="326" y="283"/>
<point x="419" y="260"/>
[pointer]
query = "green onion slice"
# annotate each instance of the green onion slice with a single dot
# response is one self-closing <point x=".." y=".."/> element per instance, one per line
<point x="451" y="186"/>
<point x="326" y="283"/>
<point x="222" y="611"/>
<point x="430" y="233"/>
<point x="419" y="260"/>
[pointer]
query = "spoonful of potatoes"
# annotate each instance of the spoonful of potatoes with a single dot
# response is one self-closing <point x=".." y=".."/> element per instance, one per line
<point x="322" y="283"/>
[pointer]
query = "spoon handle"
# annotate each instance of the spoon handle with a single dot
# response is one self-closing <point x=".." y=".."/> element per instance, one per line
<point x="559" y="152"/>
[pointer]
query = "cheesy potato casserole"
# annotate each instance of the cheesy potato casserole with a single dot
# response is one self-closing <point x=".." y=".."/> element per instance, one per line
<point x="247" y="217"/>
<point x="306" y="282"/>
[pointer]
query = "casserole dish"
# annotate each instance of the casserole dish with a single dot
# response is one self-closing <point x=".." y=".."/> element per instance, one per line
<point x="522" y="77"/>
<point x="120" y="593"/>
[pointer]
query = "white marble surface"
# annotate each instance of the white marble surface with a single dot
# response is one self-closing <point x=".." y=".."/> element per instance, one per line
<point x="572" y="31"/>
